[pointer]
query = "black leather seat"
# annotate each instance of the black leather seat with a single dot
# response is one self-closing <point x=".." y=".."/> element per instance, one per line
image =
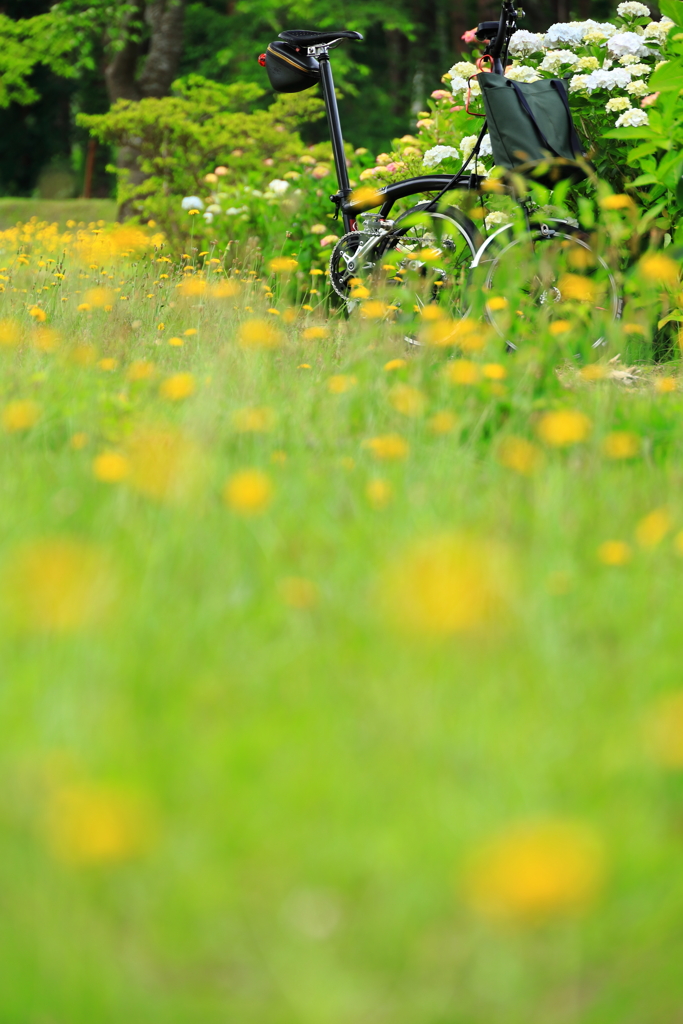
<point x="301" y="37"/>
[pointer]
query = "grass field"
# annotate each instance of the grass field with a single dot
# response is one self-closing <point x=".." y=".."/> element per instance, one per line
<point x="57" y="211"/>
<point x="341" y="679"/>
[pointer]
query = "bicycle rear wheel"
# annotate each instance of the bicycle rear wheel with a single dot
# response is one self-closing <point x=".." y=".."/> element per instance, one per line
<point x="432" y="251"/>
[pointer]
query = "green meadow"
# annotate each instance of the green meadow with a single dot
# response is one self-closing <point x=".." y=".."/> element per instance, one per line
<point x="340" y="675"/>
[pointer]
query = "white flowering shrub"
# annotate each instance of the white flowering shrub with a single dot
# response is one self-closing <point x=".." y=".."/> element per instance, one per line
<point x="607" y="67"/>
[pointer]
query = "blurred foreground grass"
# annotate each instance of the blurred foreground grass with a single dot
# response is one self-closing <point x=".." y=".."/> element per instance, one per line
<point x="341" y="682"/>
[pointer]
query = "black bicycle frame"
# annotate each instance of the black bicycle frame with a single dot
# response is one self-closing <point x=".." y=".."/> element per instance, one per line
<point x="441" y="183"/>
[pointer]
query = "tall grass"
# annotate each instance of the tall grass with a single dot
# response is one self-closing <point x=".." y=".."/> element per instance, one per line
<point x="340" y="676"/>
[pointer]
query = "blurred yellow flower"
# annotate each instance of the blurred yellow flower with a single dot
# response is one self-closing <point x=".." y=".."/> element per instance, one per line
<point x="298" y="592"/>
<point x="90" y="824"/>
<point x="20" y="415"/>
<point x="666" y="385"/>
<point x="462" y="371"/>
<point x="367" y="195"/>
<point x="84" y="307"/>
<point x="496" y="303"/>
<point x="563" y="428"/>
<point x="253" y="420"/>
<point x="78" y="440"/>
<point x="395" y="364"/>
<point x="282" y="264"/>
<point x="614" y="552"/>
<point x="10" y="333"/>
<point x="225" y="290"/>
<point x="314" y="333"/>
<point x="448" y="584"/>
<point x="617" y="202"/>
<point x="633" y="328"/>
<point x="99" y="297"/>
<point x="558" y="327"/>
<point x="443" y="422"/>
<point x="108" y="364"/>
<point x="38" y="314"/>
<point x="193" y="287"/>
<point x="593" y="371"/>
<point x="341" y="383"/>
<point x="653" y="528"/>
<point x="532" y="872"/>
<point x="259" y="334"/>
<point x="374" y="310"/>
<point x="467" y="334"/>
<point x="379" y="492"/>
<point x="58" y="585"/>
<point x="407" y="400"/>
<point x="164" y="464"/>
<point x="659" y="269"/>
<point x="664" y="730"/>
<point x="176" y="342"/>
<point x="621" y="444"/>
<point x="140" y="369"/>
<point x="388" y="446"/>
<point x="494" y="371"/>
<point x="178" y="386"/>
<point x="190" y="331"/>
<point x="45" y="339"/>
<point x="249" y="492"/>
<point x="575" y="287"/>
<point x="520" y="455"/>
<point x="111" y="467"/>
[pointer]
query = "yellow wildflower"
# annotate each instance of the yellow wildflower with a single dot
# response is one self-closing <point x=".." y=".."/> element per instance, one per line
<point x="20" y="415"/>
<point x="178" y="387"/>
<point x="614" y="552"/>
<point x="535" y="871"/>
<point x="111" y="467"/>
<point x="388" y="446"/>
<point x="248" y="492"/>
<point x="563" y="428"/>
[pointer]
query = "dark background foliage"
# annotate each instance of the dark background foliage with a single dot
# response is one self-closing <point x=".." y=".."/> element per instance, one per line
<point x="384" y="80"/>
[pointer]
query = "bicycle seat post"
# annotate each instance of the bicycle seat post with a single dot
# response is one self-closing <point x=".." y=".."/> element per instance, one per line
<point x="333" y="119"/>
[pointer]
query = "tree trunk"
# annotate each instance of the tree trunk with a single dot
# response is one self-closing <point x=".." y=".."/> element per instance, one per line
<point x="128" y="78"/>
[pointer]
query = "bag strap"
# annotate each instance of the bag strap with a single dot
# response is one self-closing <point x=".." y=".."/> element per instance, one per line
<point x="574" y="140"/>
<point x="530" y="114"/>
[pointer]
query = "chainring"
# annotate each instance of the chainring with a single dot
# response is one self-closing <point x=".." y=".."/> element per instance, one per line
<point x="344" y="251"/>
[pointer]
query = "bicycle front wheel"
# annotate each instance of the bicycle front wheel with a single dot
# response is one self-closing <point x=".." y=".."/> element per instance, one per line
<point x="550" y="280"/>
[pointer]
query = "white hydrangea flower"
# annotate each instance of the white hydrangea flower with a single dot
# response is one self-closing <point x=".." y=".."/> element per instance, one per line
<point x="605" y="28"/>
<point x="554" y="60"/>
<point x="523" y="43"/>
<point x="436" y="154"/>
<point x="631" y="9"/>
<point x="587" y="64"/>
<point x="632" y="118"/>
<point x="522" y="73"/>
<point x="594" y="36"/>
<point x="627" y="60"/>
<point x="658" y="30"/>
<point x="468" y="142"/>
<point x="496" y="217"/>
<point x="617" y="103"/>
<point x="639" y="69"/>
<point x="567" y="32"/>
<point x="463" y="69"/>
<point x="616" y="79"/>
<point x="638" y="88"/>
<point x="578" y="83"/>
<point x="459" y="85"/>
<point x="214" y="208"/>
<point x="626" y="42"/>
<point x="467" y="145"/>
<point x="278" y="186"/>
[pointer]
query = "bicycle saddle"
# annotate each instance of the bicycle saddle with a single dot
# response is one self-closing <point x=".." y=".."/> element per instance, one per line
<point x="302" y="37"/>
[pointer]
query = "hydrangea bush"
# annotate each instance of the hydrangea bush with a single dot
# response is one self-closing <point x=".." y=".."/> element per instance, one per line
<point x="608" y="67"/>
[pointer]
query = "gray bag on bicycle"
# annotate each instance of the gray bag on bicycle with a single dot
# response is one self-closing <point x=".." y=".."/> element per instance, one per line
<point x="531" y="123"/>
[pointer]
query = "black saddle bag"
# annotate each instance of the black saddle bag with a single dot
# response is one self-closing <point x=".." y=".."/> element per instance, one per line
<point x="289" y="68"/>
